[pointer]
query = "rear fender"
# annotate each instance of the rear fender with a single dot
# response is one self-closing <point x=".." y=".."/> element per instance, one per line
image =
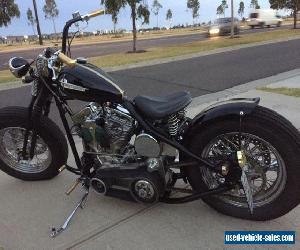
<point x="223" y="110"/>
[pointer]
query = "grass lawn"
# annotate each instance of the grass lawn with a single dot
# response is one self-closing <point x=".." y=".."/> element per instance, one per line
<point x="283" y="91"/>
<point x="6" y="76"/>
<point x="190" y="48"/>
<point x="177" y="50"/>
<point x="103" y="39"/>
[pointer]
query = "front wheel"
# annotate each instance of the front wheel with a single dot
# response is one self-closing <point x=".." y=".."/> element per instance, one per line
<point x="50" y="153"/>
<point x="272" y="148"/>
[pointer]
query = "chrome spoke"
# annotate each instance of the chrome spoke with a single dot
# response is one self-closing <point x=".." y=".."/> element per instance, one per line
<point x="11" y="146"/>
<point x="266" y="169"/>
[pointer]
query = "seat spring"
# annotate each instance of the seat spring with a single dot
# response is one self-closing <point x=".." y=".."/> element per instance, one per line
<point x="182" y="113"/>
<point x="173" y="124"/>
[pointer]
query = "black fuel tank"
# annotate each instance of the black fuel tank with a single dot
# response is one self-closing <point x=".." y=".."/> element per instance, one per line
<point x="87" y="82"/>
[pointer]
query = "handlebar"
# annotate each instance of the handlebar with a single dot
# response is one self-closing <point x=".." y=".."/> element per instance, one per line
<point x="96" y="13"/>
<point x="75" y="20"/>
<point x="66" y="60"/>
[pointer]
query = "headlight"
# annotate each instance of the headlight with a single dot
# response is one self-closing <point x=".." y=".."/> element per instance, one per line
<point x="214" y="31"/>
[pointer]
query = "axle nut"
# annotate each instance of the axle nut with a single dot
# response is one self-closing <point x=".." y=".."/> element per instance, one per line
<point x="225" y="170"/>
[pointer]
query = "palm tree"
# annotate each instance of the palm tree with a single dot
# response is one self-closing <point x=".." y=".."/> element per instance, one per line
<point x="37" y="22"/>
<point x="169" y="16"/>
<point x="139" y="10"/>
<point x="156" y="6"/>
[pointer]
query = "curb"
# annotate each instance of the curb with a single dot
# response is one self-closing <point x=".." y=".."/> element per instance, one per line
<point x="214" y="97"/>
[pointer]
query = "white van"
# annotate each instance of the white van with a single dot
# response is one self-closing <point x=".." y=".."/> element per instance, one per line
<point x="262" y="18"/>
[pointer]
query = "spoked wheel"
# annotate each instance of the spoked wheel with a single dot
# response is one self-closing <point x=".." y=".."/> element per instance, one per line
<point x="11" y="147"/>
<point x="50" y="152"/>
<point x="266" y="171"/>
<point x="272" y="148"/>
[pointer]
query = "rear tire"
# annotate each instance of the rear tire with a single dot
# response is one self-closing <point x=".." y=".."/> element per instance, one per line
<point x="48" y="131"/>
<point x="271" y="127"/>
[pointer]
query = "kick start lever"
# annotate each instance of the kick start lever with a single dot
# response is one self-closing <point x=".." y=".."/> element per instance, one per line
<point x="81" y="204"/>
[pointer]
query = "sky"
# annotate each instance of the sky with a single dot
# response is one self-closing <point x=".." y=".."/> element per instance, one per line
<point x="66" y="7"/>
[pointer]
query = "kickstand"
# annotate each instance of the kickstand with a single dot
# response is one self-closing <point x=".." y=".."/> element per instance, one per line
<point x="81" y="204"/>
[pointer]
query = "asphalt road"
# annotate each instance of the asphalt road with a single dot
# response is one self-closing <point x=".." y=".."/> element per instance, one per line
<point x="93" y="50"/>
<point x="200" y="76"/>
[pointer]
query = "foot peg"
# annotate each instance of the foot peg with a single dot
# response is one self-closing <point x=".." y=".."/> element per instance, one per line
<point x="55" y="231"/>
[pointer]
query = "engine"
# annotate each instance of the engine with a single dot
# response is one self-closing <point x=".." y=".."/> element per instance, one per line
<point x="104" y="129"/>
<point x="136" y="162"/>
<point x="108" y="130"/>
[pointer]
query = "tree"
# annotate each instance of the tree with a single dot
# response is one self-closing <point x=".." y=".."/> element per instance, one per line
<point x="156" y="6"/>
<point x="293" y="5"/>
<point x="8" y="10"/>
<point x="169" y="16"/>
<point x="254" y="4"/>
<point x="222" y="7"/>
<point x="37" y="22"/>
<point x="232" y="19"/>
<point x="194" y="6"/>
<point x="31" y="20"/>
<point x="138" y="11"/>
<point x="113" y="7"/>
<point x="51" y="11"/>
<point x="220" y="10"/>
<point x="241" y="9"/>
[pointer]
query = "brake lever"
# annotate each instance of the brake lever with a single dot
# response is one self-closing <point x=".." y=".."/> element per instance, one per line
<point x="51" y="61"/>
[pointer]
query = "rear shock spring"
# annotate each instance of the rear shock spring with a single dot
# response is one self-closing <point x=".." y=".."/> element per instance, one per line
<point x="173" y="124"/>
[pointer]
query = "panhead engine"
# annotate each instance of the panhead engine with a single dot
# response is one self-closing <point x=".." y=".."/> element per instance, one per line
<point x="104" y="129"/>
<point x="122" y="159"/>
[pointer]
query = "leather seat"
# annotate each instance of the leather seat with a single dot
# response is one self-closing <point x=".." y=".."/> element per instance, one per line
<point x="164" y="106"/>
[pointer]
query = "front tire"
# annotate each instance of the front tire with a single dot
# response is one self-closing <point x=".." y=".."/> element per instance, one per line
<point x="267" y="126"/>
<point x="51" y="151"/>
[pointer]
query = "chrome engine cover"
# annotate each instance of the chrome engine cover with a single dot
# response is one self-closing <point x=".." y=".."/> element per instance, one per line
<point x="119" y="126"/>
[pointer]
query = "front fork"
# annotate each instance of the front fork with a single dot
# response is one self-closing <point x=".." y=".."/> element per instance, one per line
<point x="39" y="105"/>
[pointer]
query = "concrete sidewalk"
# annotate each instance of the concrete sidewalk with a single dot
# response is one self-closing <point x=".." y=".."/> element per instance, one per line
<point x="29" y="210"/>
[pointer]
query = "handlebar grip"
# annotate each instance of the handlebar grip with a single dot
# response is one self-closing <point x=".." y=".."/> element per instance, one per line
<point x="96" y="13"/>
<point x="66" y="60"/>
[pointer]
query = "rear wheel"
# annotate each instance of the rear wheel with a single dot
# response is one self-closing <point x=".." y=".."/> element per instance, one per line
<point x="51" y="150"/>
<point x="272" y="148"/>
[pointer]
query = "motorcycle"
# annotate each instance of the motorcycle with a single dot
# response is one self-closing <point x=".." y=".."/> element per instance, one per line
<point x="238" y="157"/>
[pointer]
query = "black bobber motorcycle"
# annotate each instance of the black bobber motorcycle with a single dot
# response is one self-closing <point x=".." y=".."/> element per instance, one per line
<point x="240" y="158"/>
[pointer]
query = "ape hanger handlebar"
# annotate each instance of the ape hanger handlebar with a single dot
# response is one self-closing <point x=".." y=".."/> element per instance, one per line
<point x="76" y="19"/>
